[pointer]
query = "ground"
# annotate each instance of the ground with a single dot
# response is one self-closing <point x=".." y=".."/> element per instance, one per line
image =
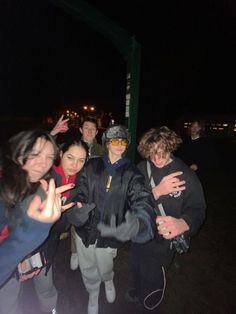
<point x="201" y="281"/>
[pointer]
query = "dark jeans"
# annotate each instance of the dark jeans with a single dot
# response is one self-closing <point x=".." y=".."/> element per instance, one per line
<point x="149" y="278"/>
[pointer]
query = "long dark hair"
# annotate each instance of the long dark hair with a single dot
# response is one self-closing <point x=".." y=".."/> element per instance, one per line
<point x="15" y="184"/>
<point x="71" y="141"/>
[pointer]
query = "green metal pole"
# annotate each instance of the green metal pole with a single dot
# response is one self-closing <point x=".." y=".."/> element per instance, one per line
<point x="129" y="48"/>
<point x="132" y="95"/>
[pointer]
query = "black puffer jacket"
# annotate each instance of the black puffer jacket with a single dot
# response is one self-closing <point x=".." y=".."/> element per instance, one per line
<point x="127" y="192"/>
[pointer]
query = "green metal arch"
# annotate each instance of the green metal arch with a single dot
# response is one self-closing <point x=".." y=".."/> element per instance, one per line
<point x="129" y="48"/>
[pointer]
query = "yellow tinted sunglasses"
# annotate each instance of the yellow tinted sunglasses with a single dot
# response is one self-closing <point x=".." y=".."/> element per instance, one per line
<point x="116" y="142"/>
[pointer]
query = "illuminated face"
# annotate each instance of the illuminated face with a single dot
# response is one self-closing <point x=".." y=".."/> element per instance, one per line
<point x="73" y="160"/>
<point x="117" y="147"/>
<point x="40" y="160"/>
<point x="160" y="158"/>
<point x="88" y="131"/>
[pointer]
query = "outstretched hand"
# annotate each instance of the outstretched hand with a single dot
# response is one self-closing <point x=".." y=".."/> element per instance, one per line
<point x="48" y="210"/>
<point x="79" y="214"/>
<point x="123" y="232"/>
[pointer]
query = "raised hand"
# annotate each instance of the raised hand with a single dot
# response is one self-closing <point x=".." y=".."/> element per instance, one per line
<point x="49" y="210"/>
<point x="169" y="184"/>
<point x="60" y="190"/>
<point x="61" y="126"/>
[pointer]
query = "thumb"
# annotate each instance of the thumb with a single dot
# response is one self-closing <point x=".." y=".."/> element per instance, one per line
<point x="113" y="221"/>
<point x="67" y="206"/>
<point x="128" y="216"/>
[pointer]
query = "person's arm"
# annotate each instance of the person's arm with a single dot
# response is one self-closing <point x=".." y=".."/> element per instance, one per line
<point x="60" y="127"/>
<point x="22" y="240"/>
<point x="139" y="225"/>
<point x="142" y="205"/>
<point x="192" y="211"/>
<point x="39" y="214"/>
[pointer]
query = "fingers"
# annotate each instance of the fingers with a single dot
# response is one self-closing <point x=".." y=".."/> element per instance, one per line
<point x="174" y="174"/>
<point x="61" y="118"/>
<point x="64" y="188"/>
<point x="166" y="226"/>
<point x="62" y="121"/>
<point x="65" y="207"/>
<point x="51" y="193"/>
<point x="175" y="183"/>
<point x="113" y="221"/>
<point x="49" y="210"/>
<point x="128" y="216"/>
<point x="66" y="120"/>
<point x="52" y="208"/>
<point x="29" y="276"/>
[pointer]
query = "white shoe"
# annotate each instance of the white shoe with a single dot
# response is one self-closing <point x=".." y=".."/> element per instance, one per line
<point x="93" y="303"/>
<point x="74" y="261"/>
<point x="110" y="291"/>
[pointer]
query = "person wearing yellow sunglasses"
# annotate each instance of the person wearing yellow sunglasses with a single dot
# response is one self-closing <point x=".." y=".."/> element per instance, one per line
<point x="123" y="212"/>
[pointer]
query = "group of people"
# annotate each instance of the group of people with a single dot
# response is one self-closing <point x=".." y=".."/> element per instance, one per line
<point x="104" y="200"/>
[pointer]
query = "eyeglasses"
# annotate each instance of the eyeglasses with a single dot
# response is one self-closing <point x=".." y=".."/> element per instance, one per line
<point x="116" y="142"/>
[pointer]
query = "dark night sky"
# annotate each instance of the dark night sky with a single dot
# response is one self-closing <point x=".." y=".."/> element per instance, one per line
<point x="49" y="58"/>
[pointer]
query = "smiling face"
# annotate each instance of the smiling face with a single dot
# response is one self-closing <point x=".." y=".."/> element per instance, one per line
<point x="40" y="159"/>
<point x="88" y="131"/>
<point x="73" y="160"/>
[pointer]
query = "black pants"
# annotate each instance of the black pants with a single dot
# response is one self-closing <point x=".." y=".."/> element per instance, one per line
<point x="149" y="278"/>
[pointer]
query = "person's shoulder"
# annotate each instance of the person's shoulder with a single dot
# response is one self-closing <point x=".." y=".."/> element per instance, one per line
<point x="178" y="163"/>
<point x="188" y="173"/>
<point x="96" y="144"/>
<point x="142" y="166"/>
<point x="94" y="161"/>
<point x="97" y="148"/>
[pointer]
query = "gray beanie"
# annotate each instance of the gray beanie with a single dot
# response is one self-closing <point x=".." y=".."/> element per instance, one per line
<point x="116" y="131"/>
